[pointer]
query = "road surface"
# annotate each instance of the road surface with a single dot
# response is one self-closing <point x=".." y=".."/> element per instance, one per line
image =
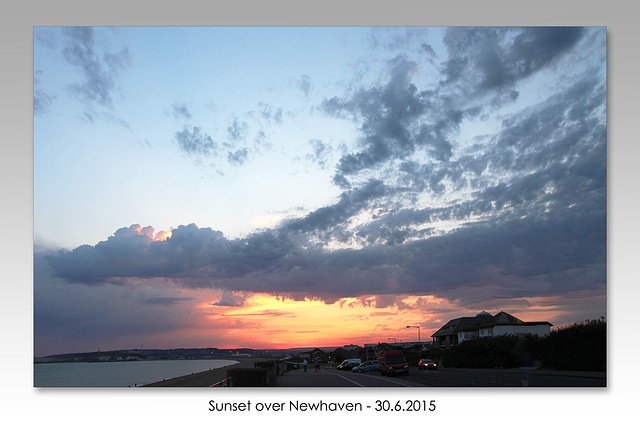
<point x="331" y="377"/>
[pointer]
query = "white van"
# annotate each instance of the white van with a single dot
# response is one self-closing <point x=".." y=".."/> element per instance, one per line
<point x="347" y="364"/>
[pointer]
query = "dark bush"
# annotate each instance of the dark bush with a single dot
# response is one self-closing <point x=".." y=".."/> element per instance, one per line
<point x="494" y="352"/>
<point x="580" y="347"/>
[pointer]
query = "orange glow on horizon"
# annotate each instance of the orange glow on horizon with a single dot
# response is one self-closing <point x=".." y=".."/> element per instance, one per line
<point x="267" y="321"/>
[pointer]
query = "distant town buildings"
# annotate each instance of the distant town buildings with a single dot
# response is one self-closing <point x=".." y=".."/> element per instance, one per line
<point x="350" y="347"/>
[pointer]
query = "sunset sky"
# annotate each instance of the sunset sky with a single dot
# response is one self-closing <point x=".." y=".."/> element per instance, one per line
<point x="306" y="187"/>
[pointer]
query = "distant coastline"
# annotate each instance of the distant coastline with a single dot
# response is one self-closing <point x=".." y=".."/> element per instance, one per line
<point x="158" y="354"/>
<point x="242" y="358"/>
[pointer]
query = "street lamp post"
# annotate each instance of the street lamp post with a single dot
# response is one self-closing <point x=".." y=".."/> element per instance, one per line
<point x="419" y="343"/>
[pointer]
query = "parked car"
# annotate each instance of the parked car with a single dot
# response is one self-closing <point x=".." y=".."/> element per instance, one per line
<point x="392" y="363"/>
<point x="427" y="364"/>
<point x="371" y="365"/>
<point x="348" y="364"/>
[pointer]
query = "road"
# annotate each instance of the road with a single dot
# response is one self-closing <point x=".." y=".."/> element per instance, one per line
<point x="329" y="377"/>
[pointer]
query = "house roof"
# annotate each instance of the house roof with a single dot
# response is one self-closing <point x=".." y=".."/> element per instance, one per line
<point x="501" y="318"/>
<point x="504" y="318"/>
<point x="454" y="326"/>
<point x="480" y="321"/>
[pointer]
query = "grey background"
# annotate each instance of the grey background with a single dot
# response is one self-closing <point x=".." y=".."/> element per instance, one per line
<point x="18" y="399"/>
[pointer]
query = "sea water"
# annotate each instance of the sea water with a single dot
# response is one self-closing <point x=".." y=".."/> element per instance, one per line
<point x="118" y="374"/>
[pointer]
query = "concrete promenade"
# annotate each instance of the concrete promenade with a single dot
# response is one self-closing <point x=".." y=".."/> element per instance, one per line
<point x="208" y="378"/>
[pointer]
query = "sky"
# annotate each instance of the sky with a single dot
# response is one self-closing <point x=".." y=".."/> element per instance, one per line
<point x="277" y="187"/>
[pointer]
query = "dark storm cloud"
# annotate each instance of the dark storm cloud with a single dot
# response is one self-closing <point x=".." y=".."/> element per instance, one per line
<point x="545" y="148"/>
<point x="397" y="119"/>
<point x="99" y="72"/>
<point x="493" y="58"/>
<point x="535" y="47"/>
<point x="563" y="248"/>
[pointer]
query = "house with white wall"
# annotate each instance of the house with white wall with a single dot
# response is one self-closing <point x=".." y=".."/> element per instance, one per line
<point x="484" y="325"/>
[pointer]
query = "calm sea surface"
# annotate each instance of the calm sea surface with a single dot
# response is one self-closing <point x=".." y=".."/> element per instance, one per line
<point x="118" y="374"/>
